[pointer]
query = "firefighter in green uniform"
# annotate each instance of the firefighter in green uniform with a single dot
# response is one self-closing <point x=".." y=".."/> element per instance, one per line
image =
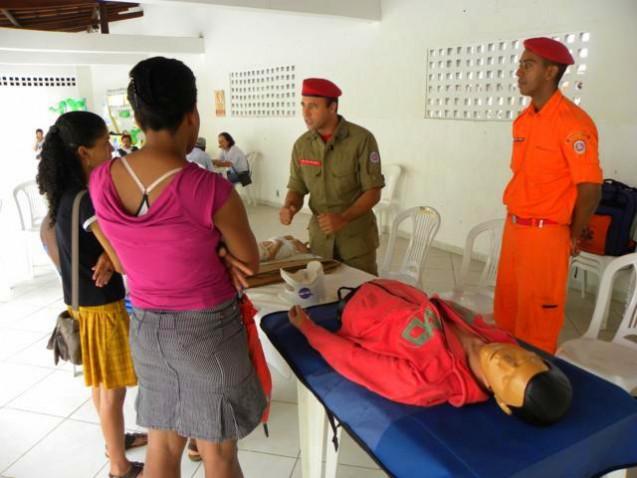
<point x="338" y="164"/>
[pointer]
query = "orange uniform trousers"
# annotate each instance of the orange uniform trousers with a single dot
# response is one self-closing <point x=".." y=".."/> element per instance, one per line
<point x="530" y="292"/>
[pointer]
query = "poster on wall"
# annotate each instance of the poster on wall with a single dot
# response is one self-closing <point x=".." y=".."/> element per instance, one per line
<point x="220" y="103"/>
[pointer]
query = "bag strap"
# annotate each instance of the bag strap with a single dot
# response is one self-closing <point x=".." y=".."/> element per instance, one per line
<point x="344" y="296"/>
<point x="75" y="251"/>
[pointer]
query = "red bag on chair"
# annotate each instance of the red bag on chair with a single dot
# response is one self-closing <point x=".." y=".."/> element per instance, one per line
<point x="594" y="236"/>
<point x="257" y="357"/>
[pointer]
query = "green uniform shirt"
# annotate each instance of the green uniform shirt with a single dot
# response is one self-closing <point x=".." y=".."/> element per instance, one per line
<point x="335" y="174"/>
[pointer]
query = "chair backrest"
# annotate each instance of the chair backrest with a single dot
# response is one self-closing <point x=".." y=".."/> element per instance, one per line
<point x="425" y="222"/>
<point x="32" y="206"/>
<point x="392" y="173"/>
<point x="628" y="326"/>
<point x="251" y="157"/>
<point x="493" y="230"/>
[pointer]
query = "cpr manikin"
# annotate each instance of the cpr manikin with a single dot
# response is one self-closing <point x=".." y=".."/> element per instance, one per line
<point x="430" y="352"/>
<point x="281" y="247"/>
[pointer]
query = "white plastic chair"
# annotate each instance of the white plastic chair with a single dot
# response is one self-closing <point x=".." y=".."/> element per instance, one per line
<point x="425" y="222"/>
<point x="248" y="192"/>
<point x="32" y="208"/>
<point x="586" y="262"/>
<point x="478" y="297"/>
<point x="5" y="289"/>
<point x="388" y="202"/>
<point x="614" y="360"/>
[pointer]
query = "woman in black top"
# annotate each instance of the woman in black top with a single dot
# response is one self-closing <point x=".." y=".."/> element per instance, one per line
<point x="77" y="143"/>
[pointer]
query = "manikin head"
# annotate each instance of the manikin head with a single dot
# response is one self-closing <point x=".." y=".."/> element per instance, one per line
<point x="523" y="384"/>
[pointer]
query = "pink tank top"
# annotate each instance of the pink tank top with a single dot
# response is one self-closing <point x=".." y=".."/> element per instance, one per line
<point x="169" y="253"/>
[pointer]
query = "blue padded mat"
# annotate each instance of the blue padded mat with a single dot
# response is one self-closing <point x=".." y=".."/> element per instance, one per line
<point x="598" y="434"/>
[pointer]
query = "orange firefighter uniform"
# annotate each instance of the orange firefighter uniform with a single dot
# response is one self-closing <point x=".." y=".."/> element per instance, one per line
<point x="554" y="150"/>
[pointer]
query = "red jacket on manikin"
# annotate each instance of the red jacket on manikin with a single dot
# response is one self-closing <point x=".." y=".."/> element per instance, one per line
<point x="396" y="342"/>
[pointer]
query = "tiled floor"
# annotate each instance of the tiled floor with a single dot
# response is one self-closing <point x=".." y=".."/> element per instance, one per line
<point x="48" y="427"/>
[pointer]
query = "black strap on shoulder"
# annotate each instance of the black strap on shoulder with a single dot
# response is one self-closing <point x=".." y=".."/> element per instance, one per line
<point x="344" y="296"/>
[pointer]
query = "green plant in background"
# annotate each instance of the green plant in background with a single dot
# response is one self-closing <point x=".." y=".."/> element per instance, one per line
<point x="69" y="104"/>
<point x="134" y="133"/>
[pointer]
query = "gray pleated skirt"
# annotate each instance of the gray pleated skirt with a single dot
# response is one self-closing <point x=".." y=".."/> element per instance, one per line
<point x="195" y="375"/>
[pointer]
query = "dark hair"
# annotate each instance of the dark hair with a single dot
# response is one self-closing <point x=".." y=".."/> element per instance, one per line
<point x="39" y="130"/>
<point x="229" y="138"/>
<point x="547" y="397"/>
<point x="161" y="91"/>
<point x="561" y="69"/>
<point x="126" y="135"/>
<point x="60" y="168"/>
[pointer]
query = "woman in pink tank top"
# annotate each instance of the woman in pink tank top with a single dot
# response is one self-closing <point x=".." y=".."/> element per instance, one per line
<point x="166" y="218"/>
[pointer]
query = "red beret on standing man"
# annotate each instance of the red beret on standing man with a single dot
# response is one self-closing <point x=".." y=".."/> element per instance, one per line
<point x="320" y="87"/>
<point x="549" y="49"/>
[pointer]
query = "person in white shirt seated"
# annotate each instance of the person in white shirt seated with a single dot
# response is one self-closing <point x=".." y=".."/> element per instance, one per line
<point x="127" y="145"/>
<point x="199" y="156"/>
<point x="232" y="157"/>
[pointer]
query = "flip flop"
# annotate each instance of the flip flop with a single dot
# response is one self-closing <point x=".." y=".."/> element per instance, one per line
<point x="193" y="452"/>
<point x="135" y="469"/>
<point x="133" y="440"/>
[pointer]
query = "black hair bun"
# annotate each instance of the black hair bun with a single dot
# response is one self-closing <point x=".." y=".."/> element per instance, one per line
<point x="161" y="91"/>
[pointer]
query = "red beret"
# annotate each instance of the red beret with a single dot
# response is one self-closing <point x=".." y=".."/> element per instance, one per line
<point x="549" y="49"/>
<point x="320" y="87"/>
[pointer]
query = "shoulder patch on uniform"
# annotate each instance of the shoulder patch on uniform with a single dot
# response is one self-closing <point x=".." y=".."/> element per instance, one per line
<point x="579" y="146"/>
<point x="374" y="157"/>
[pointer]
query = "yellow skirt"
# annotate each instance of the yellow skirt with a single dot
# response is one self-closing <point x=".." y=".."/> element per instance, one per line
<point x="106" y="357"/>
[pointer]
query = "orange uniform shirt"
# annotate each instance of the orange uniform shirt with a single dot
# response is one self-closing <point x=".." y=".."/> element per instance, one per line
<point x="554" y="149"/>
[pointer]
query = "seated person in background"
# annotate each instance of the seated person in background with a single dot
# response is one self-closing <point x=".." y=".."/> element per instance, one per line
<point x="398" y="343"/>
<point x="231" y="157"/>
<point x="281" y="247"/>
<point x="199" y="156"/>
<point x="127" y="145"/>
<point x="39" y="141"/>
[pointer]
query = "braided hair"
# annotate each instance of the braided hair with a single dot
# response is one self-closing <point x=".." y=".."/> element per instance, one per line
<point x="60" y="168"/>
<point x="161" y="91"/>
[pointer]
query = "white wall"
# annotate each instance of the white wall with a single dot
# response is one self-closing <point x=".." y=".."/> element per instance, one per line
<point x="459" y="167"/>
<point x="23" y="109"/>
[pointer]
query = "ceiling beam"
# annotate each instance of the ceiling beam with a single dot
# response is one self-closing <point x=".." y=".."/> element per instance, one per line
<point x="369" y="10"/>
<point x="33" y="41"/>
<point x="82" y="22"/>
<point x="31" y="4"/>
<point x="103" y="14"/>
<point x="49" y="58"/>
<point x="115" y="17"/>
<point x="10" y="17"/>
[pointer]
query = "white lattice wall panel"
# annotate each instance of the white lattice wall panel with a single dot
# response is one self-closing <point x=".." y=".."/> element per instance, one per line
<point x="265" y="92"/>
<point x="36" y="81"/>
<point x="478" y="82"/>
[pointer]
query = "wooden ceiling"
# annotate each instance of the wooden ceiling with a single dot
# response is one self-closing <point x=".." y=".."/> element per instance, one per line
<point x="65" y="15"/>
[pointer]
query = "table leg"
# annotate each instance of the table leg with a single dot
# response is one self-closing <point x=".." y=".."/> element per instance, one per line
<point x="312" y="420"/>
